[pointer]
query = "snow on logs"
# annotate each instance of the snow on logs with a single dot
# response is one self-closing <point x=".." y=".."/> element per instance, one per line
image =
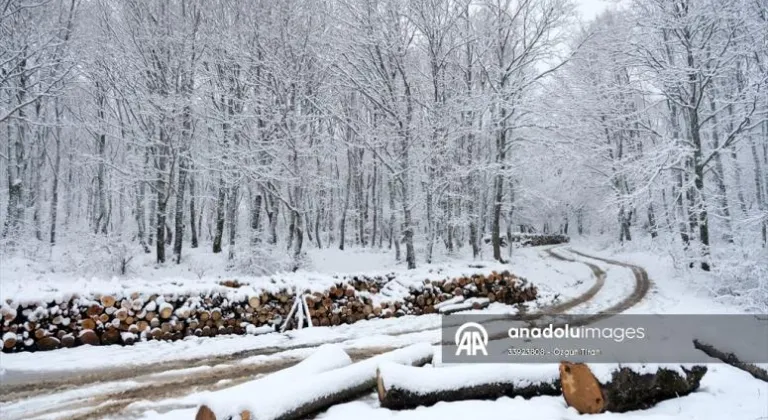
<point x="727" y="356"/>
<point x="231" y="400"/>
<point x="404" y="387"/>
<point x="111" y="319"/>
<point x="401" y="383"/>
<point x="318" y="392"/>
<point x="596" y="389"/>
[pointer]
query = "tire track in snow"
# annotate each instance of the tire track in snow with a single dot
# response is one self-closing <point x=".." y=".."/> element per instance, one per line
<point x="178" y="385"/>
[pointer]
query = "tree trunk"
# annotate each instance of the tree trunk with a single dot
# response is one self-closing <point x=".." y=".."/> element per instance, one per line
<point x="343" y="222"/>
<point x="232" y="219"/>
<point x="192" y="211"/>
<point x="220" y="216"/>
<point x="56" y="170"/>
<point x="179" y="211"/>
<point x="255" y="217"/>
<point x="160" y="210"/>
<point x="100" y="224"/>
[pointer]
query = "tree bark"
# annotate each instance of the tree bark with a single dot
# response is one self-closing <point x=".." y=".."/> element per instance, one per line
<point x="220" y="217"/>
<point x="192" y="211"/>
<point x="732" y="360"/>
<point x="430" y="386"/>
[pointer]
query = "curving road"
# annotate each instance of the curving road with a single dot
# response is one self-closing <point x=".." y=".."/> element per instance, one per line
<point x="104" y="393"/>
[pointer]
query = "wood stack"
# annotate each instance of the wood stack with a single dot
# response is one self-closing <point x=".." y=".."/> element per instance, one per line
<point x="538" y="239"/>
<point x="502" y="287"/>
<point x="109" y="320"/>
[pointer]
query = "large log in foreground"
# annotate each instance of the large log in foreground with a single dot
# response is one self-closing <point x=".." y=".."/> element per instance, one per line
<point x="405" y="387"/>
<point x="316" y="393"/>
<point x="327" y="357"/>
<point x="624" y="388"/>
<point x="732" y="360"/>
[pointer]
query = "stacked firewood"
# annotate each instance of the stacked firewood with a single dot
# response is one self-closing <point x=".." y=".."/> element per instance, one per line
<point x="502" y="287"/>
<point x="538" y="239"/>
<point x="107" y="319"/>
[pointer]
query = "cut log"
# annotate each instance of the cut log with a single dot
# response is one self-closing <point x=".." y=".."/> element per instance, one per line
<point x="732" y="359"/>
<point x="226" y="402"/>
<point x="88" y="324"/>
<point x="316" y="393"/>
<point x="473" y="303"/>
<point x="625" y="388"/>
<point x="9" y="340"/>
<point x="88" y="337"/>
<point x="405" y="387"/>
<point x="107" y="301"/>
<point x="48" y="343"/>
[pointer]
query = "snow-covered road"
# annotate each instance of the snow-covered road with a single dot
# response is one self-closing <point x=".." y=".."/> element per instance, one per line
<point x="171" y="378"/>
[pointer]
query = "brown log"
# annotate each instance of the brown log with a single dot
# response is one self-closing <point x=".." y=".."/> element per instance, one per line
<point x="107" y="301"/>
<point x="9" y="342"/>
<point x="88" y="324"/>
<point x="48" y="343"/>
<point x="627" y="390"/>
<point x="40" y="333"/>
<point x="89" y="337"/>
<point x="68" y="340"/>
<point x="254" y="302"/>
<point x="731" y="359"/>
<point x="110" y="336"/>
<point x="94" y="310"/>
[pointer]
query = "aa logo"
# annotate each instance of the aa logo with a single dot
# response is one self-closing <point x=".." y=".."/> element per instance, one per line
<point x="471" y="338"/>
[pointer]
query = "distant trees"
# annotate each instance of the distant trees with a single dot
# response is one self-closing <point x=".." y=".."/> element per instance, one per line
<point x="422" y="126"/>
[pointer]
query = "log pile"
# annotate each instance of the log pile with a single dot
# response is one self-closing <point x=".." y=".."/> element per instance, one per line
<point x="538" y="239"/>
<point x="109" y="320"/>
<point x="501" y="287"/>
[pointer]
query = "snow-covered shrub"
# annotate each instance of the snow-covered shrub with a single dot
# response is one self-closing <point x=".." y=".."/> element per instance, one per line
<point x="741" y="277"/>
<point x="264" y="259"/>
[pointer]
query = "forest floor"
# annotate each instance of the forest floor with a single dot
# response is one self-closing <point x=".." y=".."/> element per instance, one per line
<point x="169" y="379"/>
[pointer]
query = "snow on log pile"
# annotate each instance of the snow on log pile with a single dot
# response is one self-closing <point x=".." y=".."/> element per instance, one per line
<point x="403" y="387"/>
<point x="315" y="393"/>
<point x="236" y="308"/>
<point x="530" y="239"/>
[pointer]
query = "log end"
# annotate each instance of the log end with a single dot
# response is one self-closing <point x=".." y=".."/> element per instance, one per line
<point x="205" y="413"/>
<point x="380" y="389"/>
<point x="581" y="389"/>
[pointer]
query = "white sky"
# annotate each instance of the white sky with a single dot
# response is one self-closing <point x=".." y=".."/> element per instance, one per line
<point x="591" y="8"/>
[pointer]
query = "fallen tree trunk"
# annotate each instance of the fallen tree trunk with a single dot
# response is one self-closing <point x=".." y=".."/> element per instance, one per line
<point x="620" y="389"/>
<point x="229" y="400"/>
<point x="316" y="393"/>
<point x="405" y="387"/>
<point x="732" y="360"/>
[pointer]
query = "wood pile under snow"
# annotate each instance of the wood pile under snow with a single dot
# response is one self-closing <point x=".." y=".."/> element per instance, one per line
<point x="106" y="319"/>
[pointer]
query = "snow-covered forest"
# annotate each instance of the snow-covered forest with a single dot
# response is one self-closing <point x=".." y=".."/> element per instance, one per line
<point x="250" y="128"/>
<point x="282" y="209"/>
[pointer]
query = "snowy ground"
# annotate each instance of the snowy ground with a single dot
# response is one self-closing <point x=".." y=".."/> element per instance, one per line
<point x="225" y="361"/>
